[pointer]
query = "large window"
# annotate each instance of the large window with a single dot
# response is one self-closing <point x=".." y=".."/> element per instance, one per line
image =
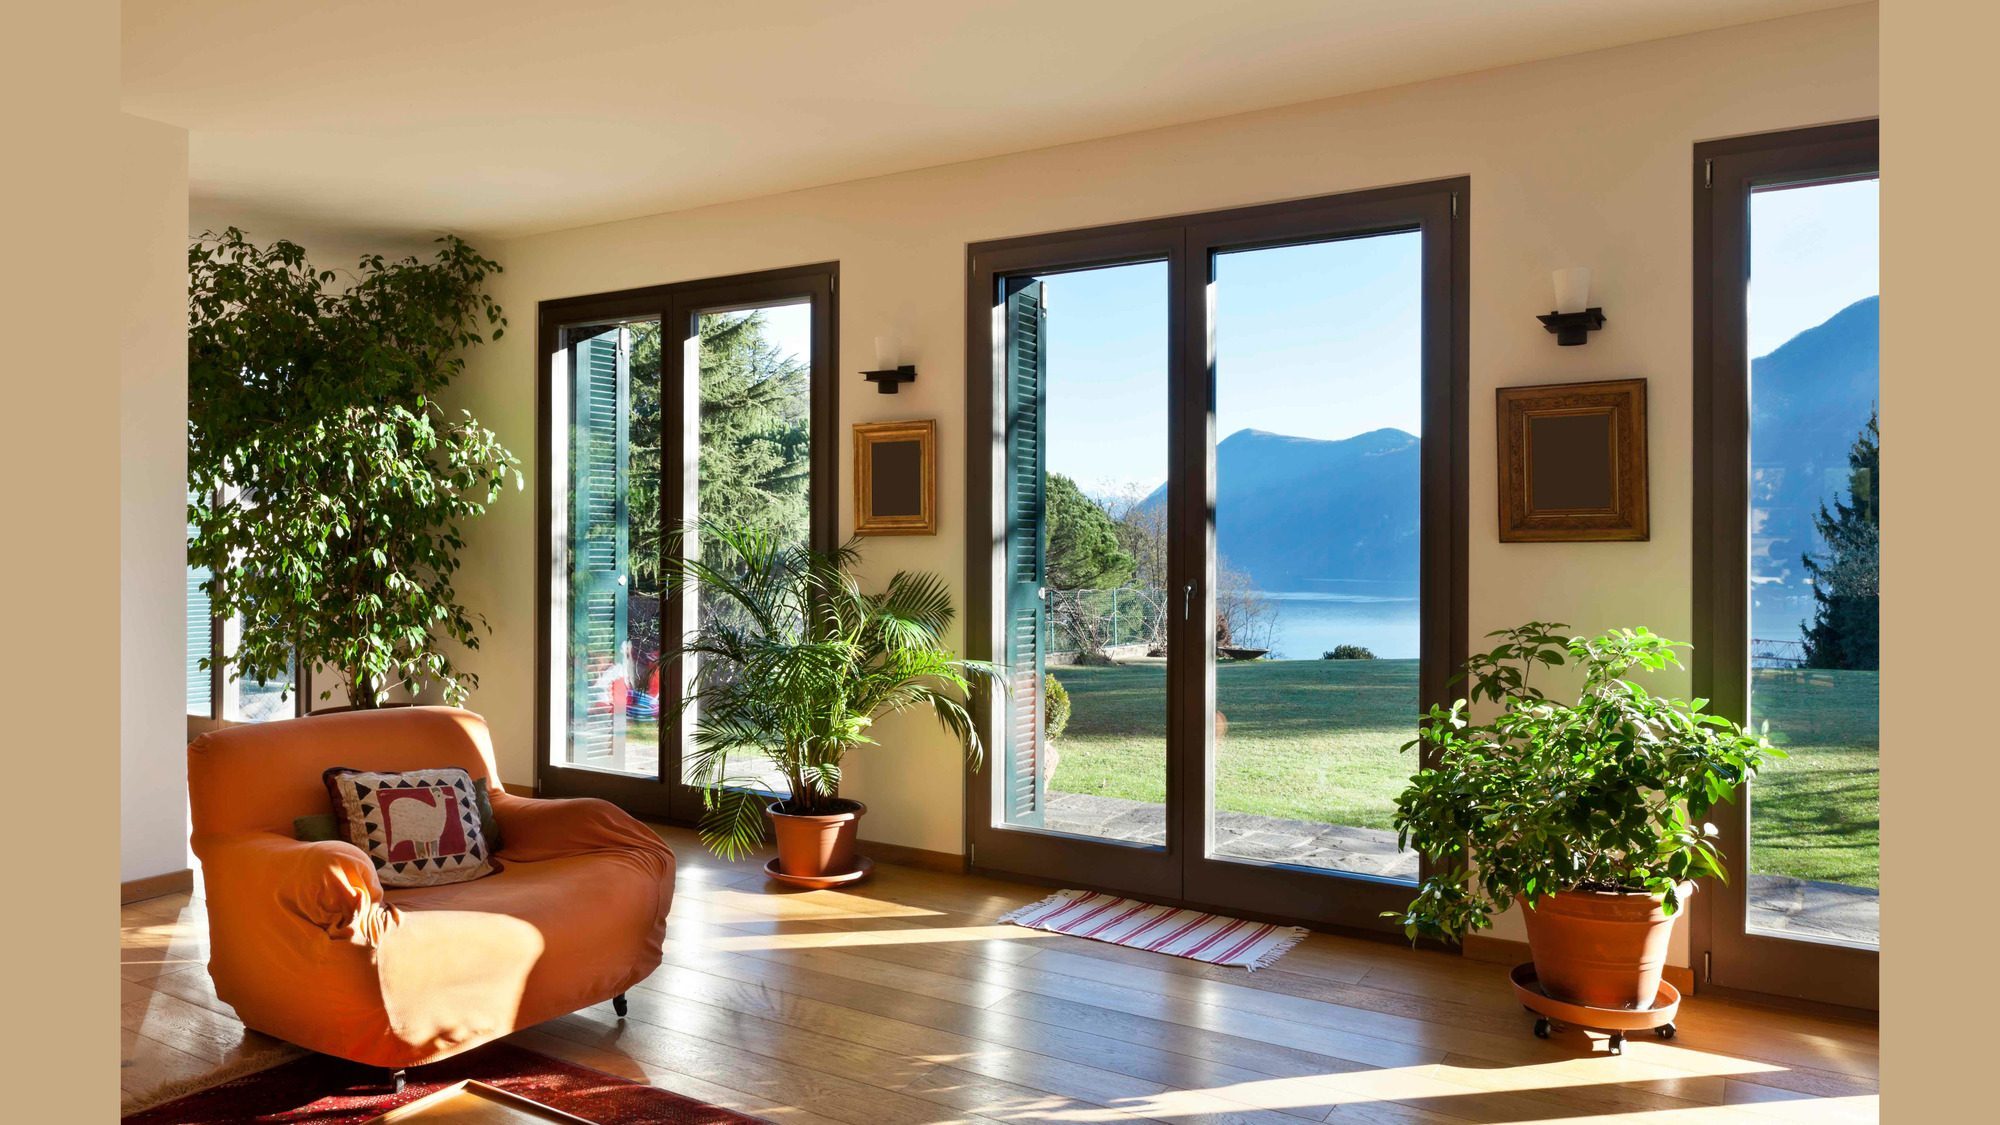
<point x="665" y="410"/>
<point x="1789" y="450"/>
<point x="1217" y="538"/>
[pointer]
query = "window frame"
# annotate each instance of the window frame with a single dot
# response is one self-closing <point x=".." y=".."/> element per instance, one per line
<point x="1730" y="958"/>
<point x="1182" y="872"/>
<point x="666" y="798"/>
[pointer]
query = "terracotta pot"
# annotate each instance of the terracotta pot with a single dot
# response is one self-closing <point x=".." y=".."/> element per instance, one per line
<point x="1601" y="948"/>
<point x="815" y="846"/>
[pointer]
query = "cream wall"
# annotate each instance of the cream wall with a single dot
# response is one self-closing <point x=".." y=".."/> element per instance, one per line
<point x="150" y="293"/>
<point x="1577" y="161"/>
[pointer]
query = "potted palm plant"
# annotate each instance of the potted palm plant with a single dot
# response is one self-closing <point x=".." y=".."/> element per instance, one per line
<point x="1588" y="815"/>
<point x="791" y="664"/>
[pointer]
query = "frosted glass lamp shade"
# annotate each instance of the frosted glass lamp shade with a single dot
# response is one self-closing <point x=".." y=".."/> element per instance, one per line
<point x="1572" y="289"/>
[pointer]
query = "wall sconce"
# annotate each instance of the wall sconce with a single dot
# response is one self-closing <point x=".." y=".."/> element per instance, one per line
<point x="1574" y="320"/>
<point x="889" y="375"/>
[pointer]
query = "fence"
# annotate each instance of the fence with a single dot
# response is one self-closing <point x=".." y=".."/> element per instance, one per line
<point x="1777" y="654"/>
<point x="1093" y="621"/>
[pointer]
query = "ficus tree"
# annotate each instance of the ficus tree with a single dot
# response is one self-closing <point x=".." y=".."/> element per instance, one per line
<point x="327" y="488"/>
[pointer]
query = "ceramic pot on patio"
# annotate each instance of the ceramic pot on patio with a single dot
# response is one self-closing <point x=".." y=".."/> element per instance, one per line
<point x="819" y="846"/>
<point x="1604" y="949"/>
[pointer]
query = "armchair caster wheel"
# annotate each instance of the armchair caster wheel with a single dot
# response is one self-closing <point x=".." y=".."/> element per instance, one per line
<point x="618" y="1005"/>
<point x="1665" y="1031"/>
<point x="1617" y="1042"/>
<point x="398" y="1078"/>
<point x="1541" y="1029"/>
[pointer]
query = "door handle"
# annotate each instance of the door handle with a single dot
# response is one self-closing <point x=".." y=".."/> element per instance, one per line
<point x="1187" y="602"/>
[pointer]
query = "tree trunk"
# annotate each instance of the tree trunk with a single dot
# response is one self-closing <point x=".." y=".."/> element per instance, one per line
<point x="360" y="694"/>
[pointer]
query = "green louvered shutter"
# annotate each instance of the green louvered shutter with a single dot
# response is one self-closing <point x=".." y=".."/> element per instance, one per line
<point x="1026" y="605"/>
<point x="600" y="537"/>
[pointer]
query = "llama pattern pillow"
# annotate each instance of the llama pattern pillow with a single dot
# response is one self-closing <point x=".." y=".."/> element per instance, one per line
<point x="420" y="827"/>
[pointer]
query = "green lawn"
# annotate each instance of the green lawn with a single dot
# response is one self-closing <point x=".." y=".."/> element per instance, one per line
<point x="1818" y="813"/>
<point x="1319" y="739"/>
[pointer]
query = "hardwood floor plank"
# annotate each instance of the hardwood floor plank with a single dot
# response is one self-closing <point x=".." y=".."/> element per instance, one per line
<point x="686" y="1085"/>
<point x="194" y="1029"/>
<point x="901" y="1001"/>
<point x="146" y="1064"/>
<point x="831" y="1095"/>
<point x="1492" y="1030"/>
<point x="1036" y="1056"/>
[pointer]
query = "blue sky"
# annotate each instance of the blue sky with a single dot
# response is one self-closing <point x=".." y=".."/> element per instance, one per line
<point x="790" y="328"/>
<point x="1319" y="340"/>
<point x="1813" y="252"/>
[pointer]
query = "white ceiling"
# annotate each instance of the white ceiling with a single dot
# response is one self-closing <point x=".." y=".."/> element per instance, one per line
<point x="502" y="117"/>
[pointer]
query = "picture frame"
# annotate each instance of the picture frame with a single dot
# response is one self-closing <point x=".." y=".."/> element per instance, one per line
<point x="895" y="478"/>
<point x="1573" y="464"/>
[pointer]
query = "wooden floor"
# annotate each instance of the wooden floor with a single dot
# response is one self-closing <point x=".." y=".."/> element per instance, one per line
<point x="900" y="1001"/>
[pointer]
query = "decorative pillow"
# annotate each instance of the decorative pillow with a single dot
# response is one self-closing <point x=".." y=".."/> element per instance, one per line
<point x="421" y="827"/>
<point x="323" y="826"/>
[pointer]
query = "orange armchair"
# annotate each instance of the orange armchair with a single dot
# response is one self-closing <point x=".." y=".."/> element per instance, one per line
<point x="307" y="946"/>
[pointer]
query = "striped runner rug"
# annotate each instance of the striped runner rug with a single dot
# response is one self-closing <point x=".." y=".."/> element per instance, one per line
<point x="1212" y="938"/>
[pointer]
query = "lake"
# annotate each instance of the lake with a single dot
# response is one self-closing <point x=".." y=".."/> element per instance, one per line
<point x="1380" y="616"/>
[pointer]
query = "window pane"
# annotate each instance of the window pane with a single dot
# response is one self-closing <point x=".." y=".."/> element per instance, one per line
<point x="1087" y="555"/>
<point x="1815" y="515"/>
<point x="1319" y="396"/>
<point x="753" y="463"/>
<point x="200" y="639"/>
<point x="249" y="700"/>
<point x="608" y="648"/>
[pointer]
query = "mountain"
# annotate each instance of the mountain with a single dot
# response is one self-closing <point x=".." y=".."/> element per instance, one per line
<point x="1809" y="399"/>
<point x="1294" y="513"/>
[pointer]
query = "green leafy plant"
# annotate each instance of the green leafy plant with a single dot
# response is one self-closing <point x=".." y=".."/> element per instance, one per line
<point x="799" y="668"/>
<point x="1347" y="652"/>
<point x="327" y="489"/>
<point x="1607" y="793"/>
<point x="1055" y="704"/>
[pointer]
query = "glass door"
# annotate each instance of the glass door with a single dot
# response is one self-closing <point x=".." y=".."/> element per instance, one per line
<point x="665" y="408"/>
<point x="1789" y="446"/>
<point x="612" y="368"/>
<point x="1330" y="550"/>
<point x="1221" y="545"/>
<point x="1080" y="382"/>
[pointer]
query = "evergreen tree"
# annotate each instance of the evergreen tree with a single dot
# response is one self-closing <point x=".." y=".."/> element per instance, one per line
<point x="1845" y="629"/>
<point x="1083" y="548"/>
<point x="754" y="460"/>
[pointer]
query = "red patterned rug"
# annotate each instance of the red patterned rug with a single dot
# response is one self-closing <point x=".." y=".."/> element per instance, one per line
<point x="321" y="1090"/>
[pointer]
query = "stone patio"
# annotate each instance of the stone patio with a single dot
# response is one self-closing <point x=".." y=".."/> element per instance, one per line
<point x="1366" y="851"/>
<point x="1779" y="904"/>
<point x="1801" y="908"/>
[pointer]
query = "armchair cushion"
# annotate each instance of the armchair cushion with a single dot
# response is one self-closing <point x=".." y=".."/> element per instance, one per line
<point x="420" y="827"/>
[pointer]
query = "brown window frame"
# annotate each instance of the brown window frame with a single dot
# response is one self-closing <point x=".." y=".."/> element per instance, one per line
<point x="1181" y="873"/>
<point x="1730" y="959"/>
<point x="667" y="798"/>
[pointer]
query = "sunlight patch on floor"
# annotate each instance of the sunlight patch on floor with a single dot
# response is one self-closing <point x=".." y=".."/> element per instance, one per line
<point x="840" y="938"/>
